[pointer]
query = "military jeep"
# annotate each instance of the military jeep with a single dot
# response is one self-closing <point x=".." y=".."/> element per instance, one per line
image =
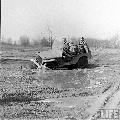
<point x="68" y="56"/>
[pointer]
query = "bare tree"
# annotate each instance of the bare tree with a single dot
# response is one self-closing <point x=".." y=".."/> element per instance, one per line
<point x="15" y="43"/>
<point x="50" y="33"/>
<point x="2" y="38"/>
<point x="115" y="41"/>
<point x="24" y="40"/>
<point x="9" y="41"/>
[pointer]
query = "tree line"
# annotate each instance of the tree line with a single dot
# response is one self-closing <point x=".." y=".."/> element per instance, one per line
<point x="25" y="41"/>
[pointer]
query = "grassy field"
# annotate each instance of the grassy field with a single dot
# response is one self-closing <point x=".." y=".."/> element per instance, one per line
<point x="52" y="94"/>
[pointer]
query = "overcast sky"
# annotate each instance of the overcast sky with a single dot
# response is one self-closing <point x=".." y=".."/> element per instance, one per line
<point x="88" y="18"/>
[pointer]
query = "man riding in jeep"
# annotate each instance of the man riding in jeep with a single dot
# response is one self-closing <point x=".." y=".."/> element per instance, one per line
<point x="83" y="46"/>
<point x="70" y="55"/>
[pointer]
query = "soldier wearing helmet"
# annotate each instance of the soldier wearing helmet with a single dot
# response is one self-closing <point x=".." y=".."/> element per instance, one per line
<point x="65" y="46"/>
<point x="82" y="41"/>
<point x="81" y="45"/>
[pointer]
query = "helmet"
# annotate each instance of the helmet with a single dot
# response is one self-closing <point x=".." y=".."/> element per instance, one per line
<point x="82" y="40"/>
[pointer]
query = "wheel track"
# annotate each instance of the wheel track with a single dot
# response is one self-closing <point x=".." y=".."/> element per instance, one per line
<point x="110" y="101"/>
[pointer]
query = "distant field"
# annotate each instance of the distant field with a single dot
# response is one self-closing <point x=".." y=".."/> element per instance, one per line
<point x="19" y="52"/>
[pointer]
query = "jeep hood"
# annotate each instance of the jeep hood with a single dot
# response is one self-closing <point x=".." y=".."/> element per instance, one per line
<point x="50" y="54"/>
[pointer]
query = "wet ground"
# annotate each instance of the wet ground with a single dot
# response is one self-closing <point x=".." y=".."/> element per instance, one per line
<point x="57" y="94"/>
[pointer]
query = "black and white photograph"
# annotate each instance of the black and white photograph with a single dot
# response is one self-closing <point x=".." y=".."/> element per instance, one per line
<point x="60" y="60"/>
